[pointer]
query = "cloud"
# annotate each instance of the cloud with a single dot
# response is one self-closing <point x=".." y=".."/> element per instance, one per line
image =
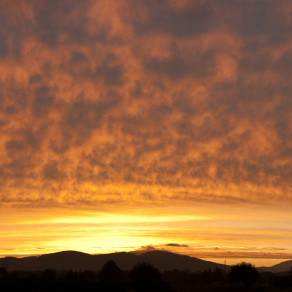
<point x="144" y="249"/>
<point x="162" y="18"/>
<point x="167" y="101"/>
<point x="220" y="253"/>
<point x="176" y="68"/>
<point x="176" y="245"/>
<point x="243" y="255"/>
<point x="164" y="247"/>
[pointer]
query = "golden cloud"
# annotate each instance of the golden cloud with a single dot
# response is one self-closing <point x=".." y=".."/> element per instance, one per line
<point x="135" y="101"/>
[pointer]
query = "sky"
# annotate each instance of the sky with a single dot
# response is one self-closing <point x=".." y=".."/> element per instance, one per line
<point x="140" y="125"/>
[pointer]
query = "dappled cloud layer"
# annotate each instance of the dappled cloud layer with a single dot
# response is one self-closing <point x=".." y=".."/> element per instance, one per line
<point x="126" y="102"/>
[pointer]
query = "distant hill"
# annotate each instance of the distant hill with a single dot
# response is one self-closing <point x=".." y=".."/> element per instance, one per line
<point x="72" y="260"/>
<point x="166" y="261"/>
<point x="281" y="267"/>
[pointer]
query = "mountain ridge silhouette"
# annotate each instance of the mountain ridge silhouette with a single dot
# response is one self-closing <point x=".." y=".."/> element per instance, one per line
<point x="79" y="261"/>
<point x="281" y="267"/>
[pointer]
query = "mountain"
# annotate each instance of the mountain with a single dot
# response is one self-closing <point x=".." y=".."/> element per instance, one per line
<point x="64" y="260"/>
<point x="166" y="261"/>
<point x="163" y="260"/>
<point x="72" y="260"/>
<point x="281" y="267"/>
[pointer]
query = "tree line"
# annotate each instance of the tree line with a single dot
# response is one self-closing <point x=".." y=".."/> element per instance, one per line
<point x="145" y="277"/>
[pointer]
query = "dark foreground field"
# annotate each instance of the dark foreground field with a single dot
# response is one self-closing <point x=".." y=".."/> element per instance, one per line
<point x="145" y="277"/>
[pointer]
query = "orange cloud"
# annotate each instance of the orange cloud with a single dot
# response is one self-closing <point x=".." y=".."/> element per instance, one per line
<point x="173" y="98"/>
<point x="150" y="103"/>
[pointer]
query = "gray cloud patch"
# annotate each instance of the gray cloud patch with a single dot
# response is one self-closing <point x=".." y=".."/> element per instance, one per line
<point x="176" y="245"/>
<point x="51" y="171"/>
<point x="35" y="78"/>
<point x="112" y="74"/>
<point x="190" y="22"/>
<point x="198" y="66"/>
<point x="4" y="49"/>
<point x="43" y="102"/>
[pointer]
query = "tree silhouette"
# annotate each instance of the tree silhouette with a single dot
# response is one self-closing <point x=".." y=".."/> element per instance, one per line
<point x="49" y="275"/>
<point x="3" y="272"/>
<point x="245" y="273"/>
<point x="145" y="273"/>
<point x="110" y="273"/>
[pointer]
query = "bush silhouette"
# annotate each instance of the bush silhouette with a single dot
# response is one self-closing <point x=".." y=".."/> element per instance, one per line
<point x="245" y="273"/>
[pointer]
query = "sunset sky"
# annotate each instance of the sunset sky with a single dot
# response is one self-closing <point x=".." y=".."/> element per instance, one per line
<point x="147" y="124"/>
